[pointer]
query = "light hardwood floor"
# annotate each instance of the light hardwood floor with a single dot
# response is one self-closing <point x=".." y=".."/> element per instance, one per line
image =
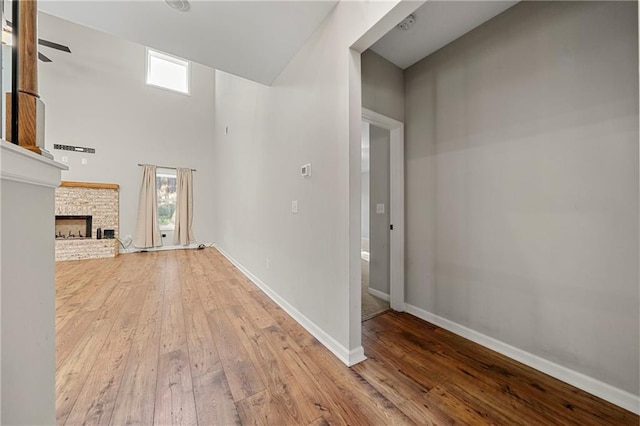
<point x="182" y="337"/>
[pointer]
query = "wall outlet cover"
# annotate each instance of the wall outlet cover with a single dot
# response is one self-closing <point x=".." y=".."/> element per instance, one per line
<point x="294" y="206"/>
<point x="380" y="208"/>
<point x="305" y="170"/>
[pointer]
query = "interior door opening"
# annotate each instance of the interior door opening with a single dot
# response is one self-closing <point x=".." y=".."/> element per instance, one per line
<point x="382" y="210"/>
<point x="375" y="220"/>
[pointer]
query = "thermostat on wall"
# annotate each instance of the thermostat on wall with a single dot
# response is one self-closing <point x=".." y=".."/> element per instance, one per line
<point x="305" y="170"/>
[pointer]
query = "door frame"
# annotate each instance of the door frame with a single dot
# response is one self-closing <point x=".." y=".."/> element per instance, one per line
<point x="396" y="208"/>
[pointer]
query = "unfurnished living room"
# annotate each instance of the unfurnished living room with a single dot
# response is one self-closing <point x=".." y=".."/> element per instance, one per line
<point x="319" y="212"/>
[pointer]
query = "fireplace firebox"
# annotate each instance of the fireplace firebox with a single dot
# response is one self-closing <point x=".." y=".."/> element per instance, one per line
<point x="73" y="227"/>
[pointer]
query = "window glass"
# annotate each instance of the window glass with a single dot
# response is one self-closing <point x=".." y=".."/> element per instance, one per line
<point x="166" y="187"/>
<point x="167" y="71"/>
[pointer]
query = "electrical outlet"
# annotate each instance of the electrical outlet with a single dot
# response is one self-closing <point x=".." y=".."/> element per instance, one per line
<point x="84" y="161"/>
<point x="305" y="170"/>
<point x="294" y="206"/>
<point x="380" y="208"/>
<point x="65" y="159"/>
<point x="267" y="263"/>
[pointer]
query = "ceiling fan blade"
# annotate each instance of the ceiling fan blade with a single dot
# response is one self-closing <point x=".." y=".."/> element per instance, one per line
<point x="47" y="43"/>
<point x="43" y="58"/>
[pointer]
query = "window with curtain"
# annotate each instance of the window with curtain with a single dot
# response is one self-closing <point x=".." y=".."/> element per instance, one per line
<point x="166" y="188"/>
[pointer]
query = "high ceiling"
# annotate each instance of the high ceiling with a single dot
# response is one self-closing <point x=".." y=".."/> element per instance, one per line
<point x="437" y="23"/>
<point x="256" y="39"/>
<point x="251" y="39"/>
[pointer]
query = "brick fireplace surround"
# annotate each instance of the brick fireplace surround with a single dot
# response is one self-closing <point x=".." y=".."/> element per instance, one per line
<point x="101" y="202"/>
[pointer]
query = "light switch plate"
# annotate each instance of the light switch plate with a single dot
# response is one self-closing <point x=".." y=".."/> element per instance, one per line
<point x="380" y="208"/>
<point x="294" y="206"/>
<point x="84" y="161"/>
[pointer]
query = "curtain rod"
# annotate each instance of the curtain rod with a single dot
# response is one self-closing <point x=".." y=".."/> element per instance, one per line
<point x="165" y="167"/>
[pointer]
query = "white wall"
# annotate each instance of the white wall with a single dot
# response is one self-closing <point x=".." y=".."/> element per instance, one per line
<point x="27" y="308"/>
<point x="28" y="341"/>
<point x="304" y="117"/>
<point x="97" y="97"/>
<point x="5" y="85"/>
<point x="522" y="184"/>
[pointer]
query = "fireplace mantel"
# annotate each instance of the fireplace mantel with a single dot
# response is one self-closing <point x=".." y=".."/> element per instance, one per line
<point x="92" y="185"/>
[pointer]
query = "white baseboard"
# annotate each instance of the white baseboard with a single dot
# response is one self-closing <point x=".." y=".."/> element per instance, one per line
<point x="191" y="246"/>
<point x="378" y="294"/>
<point x="356" y="356"/>
<point x="346" y="356"/>
<point x="614" y="395"/>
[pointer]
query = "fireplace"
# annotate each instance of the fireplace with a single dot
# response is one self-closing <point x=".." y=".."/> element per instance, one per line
<point x="73" y="227"/>
<point x="81" y="209"/>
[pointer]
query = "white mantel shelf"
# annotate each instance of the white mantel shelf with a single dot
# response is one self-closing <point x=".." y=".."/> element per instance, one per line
<point x="21" y="165"/>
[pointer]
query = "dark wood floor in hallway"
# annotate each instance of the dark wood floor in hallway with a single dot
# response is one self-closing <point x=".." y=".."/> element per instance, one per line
<point x="182" y="337"/>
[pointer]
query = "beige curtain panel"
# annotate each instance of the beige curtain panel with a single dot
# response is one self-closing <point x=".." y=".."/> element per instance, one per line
<point x="147" y="231"/>
<point x="183" y="234"/>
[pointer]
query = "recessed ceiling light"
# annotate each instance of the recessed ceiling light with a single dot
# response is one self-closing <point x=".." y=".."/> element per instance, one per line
<point x="180" y="5"/>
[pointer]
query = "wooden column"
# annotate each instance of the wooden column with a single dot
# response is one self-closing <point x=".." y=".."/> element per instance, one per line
<point x="30" y="106"/>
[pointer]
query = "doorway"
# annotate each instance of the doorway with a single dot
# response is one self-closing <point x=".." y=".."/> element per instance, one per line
<point x="382" y="209"/>
<point x="374" y="248"/>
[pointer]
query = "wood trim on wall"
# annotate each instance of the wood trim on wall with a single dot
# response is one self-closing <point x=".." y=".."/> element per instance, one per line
<point x="94" y="185"/>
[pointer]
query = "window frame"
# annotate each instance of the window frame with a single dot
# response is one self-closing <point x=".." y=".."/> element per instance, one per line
<point x="149" y="53"/>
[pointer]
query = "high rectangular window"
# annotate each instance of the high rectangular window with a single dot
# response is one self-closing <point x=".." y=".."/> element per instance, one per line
<point x="168" y="72"/>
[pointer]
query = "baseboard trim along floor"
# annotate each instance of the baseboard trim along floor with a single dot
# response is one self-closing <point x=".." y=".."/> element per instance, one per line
<point x="609" y="393"/>
<point x="379" y="294"/>
<point x="345" y="355"/>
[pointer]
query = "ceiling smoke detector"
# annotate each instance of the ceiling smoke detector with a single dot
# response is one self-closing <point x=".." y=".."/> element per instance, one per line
<point x="407" y="23"/>
<point x="180" y="5"/>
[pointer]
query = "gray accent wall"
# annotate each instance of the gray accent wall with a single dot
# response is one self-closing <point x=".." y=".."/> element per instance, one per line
<point x="382" y="92"/>
<point x="379" y="222"/>
<point x="382" y="86"/>
<point x="364" y="186"/>
<point x="522" y="184"/>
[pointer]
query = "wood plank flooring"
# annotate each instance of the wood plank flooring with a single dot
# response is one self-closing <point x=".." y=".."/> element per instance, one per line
<point x="182" y="337"/>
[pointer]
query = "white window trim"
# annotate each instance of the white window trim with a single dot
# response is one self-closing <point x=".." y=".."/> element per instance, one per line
<point x="176" y="60"/>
